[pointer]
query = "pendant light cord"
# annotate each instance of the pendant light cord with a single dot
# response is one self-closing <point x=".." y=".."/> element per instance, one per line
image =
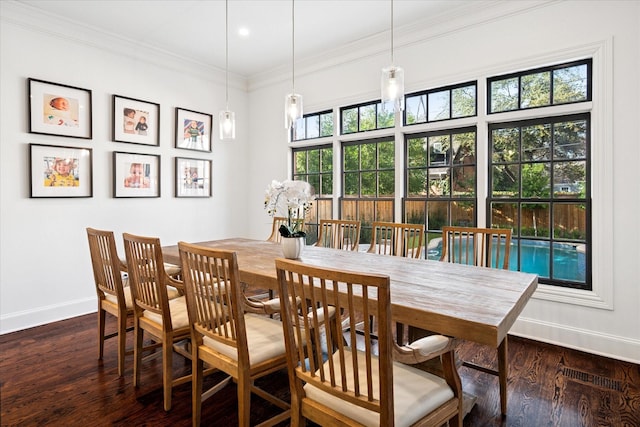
<point x="293" y="46"/>
<point x="226" y="49"/>
<point x="392" y="32"/>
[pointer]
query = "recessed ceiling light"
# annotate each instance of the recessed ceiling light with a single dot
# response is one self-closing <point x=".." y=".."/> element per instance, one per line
<point x="243" y="31"/>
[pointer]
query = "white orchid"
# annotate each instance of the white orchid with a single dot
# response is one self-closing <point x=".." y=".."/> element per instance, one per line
<point x="290" y="199"/>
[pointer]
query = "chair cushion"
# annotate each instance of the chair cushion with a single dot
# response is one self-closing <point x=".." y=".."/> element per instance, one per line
<point x="172" y="269"/>
<point x="173" y="293"/>
<point x="265" y="339"/>
<point x="416" y="393"/>
<point x="127" y="298"/>
<point x="179" y="314"/>
<point x="429" y="344"/>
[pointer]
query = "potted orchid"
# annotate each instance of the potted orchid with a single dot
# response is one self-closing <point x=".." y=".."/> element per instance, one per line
<point x="290" y="199"/>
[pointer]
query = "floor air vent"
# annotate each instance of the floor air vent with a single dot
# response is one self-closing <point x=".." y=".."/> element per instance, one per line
<point x="596" y="380"/>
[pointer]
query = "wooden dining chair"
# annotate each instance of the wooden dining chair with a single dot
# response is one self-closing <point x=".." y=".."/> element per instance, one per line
<point x="339" y="234"/>
<point x="113" y="296"/>
<point x="228" y="331"/>
<point x="361" y="381"/>
<point x="482" y="247"/>
<point x="277" y="222"/>
<point x="165" y="320"/>
<point x="398" y="239"/>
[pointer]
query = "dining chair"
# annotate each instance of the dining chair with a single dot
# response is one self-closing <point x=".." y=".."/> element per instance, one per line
<point x="398" y="239"/>
<point x="482" y="247"/>
<point x="361" y="381"/>
<point x="165" y="320"/>
<point x="277" y="222"/>
<point x="114" y="294"/>
<point x="228" y="331"/>
<point x="339" y="234"/>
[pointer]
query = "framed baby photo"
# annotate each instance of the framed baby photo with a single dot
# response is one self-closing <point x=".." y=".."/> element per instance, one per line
<point x="193" y="177"/>
<point x="193" y="130"/>
<point x="136" y="175"/>
<point x="60" y="171"/>
<point x="136" y="121"/>
<point x="57" y="109"/>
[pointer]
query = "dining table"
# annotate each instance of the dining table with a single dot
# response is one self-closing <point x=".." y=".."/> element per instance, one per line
<point x="472" y="303"/>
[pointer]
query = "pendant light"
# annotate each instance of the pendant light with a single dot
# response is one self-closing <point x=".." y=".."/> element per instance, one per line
<point x="392" y="81"/>
<point x="293" y="101"/>
<point x="227" y="118"/>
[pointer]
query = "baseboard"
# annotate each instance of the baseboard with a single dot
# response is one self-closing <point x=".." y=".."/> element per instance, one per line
<point x="612" y="346"/>
<point x="30" y="318"/>
<point x="607" y="345"/>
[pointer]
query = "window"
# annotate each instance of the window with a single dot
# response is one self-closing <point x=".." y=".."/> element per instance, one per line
<point x="364" y="117"/>
<point x="440" y="182"/>
<point x="560" y="84"/>
<point x="539" y="188"/>
<point x="525" y="165"/>
<point x="315" y="165"/>
<point x="445" y="103"/>
<point x="368" y="171"/>
<point x="311" y="126"/>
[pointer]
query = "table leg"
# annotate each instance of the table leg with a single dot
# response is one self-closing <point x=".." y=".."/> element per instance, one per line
<point x="503" y="373"/>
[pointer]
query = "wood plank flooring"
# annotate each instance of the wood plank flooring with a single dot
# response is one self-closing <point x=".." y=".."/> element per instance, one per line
<point x="50" y="376"/>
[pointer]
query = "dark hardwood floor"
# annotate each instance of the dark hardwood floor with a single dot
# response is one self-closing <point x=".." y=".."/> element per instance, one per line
<point x="50" y="376"/>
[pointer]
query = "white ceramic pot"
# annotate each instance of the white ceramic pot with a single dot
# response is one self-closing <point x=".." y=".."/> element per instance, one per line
<point x="292" y="247"/>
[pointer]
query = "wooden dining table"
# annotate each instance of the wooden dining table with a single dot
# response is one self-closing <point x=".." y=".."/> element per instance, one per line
<point x="472" y="303"/>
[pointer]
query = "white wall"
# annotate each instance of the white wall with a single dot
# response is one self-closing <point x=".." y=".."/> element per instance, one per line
<point x="45" y="273"/>
<point x="45" y="270"/>
<point x="523" y="38"/>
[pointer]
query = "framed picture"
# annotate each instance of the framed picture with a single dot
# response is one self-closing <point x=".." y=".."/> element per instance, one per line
<point x="135" y="121"/>
<point x="56" y="109"/>
<point x="60" y="171"/>
<point x="193" y="177"/>
<point x="193" y="130"/>
<point x="136" y="175"/>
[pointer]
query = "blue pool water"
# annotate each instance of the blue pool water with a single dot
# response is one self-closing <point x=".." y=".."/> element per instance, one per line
<point x="569" y="262"/>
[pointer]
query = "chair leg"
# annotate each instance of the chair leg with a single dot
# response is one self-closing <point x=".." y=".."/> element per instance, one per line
<point x="167" y="370"/>
<point x="244" y="401"/>
<point x="101" y="327"/>
<point x="197" y="367"/>
<point x="138" y="334"/>
<point x="297" y="420"/>
<point x="503" y="373"/>
<point x="122" y="341"/>
<point x="400" y="333"/>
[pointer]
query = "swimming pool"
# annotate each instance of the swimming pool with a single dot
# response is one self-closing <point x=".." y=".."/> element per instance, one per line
<point x="569" y="261"/>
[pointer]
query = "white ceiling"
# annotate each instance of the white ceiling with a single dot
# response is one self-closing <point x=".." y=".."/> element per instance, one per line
<point x="195" y="29"/>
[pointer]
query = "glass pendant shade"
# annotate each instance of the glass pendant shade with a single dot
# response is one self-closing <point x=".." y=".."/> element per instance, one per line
<point x="392" y="84"/>
<point x="227" y="125"/>
<point x="292" y="109"/>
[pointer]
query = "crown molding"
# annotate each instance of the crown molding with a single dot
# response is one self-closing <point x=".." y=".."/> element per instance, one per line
<point x="463" y="17"/>
<point x="35" y="20"/>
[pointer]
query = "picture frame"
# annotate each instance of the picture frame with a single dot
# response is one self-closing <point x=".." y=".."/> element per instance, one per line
<point x="136" y="121"/>
<point x="56" y="171"/>
<point x="193" y="177"/>
<point x="193" y="130"/>
<point x="59" y="109"/>
<point x="136" y="175"/>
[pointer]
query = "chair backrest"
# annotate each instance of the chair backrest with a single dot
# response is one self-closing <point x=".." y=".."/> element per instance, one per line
<point x="106" y="264"/>
<point x="483" y="247"/>
<point x="214" y="295"/>
<point x="398" y="239"/>
<point x="339" y="234"/>
<point x="277" y="222"/>
<point x="359" y="377"/>
<point x="147" y="276"/>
